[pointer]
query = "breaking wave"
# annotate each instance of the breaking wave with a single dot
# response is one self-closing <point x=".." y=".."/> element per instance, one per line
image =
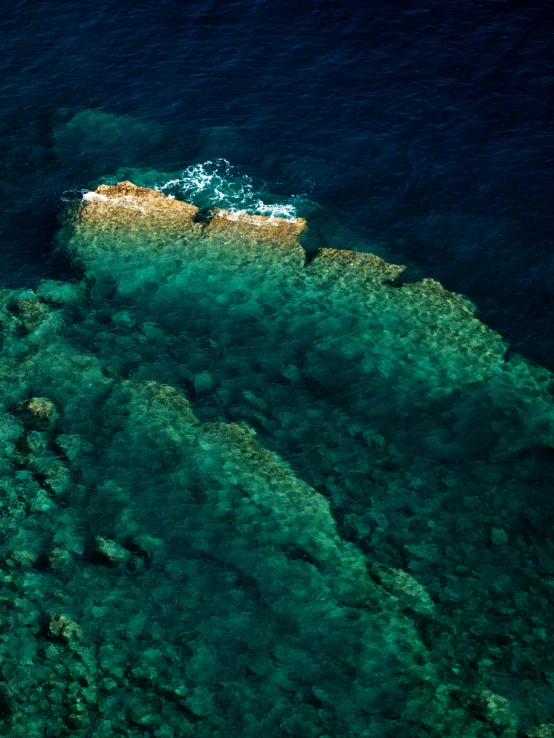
<point x="218" y="183"/>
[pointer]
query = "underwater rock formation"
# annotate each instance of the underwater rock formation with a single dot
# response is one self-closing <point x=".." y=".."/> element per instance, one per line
<point x="92" y="137"/>
<point x="249" y="493"/>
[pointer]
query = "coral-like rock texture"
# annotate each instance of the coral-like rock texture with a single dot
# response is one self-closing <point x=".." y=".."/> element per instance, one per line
<point x="248" y="493"/>
<point x="127" y="206"/>
<point x="257" y="228"/>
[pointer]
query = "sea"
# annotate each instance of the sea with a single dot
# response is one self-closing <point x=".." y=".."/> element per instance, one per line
<point x="285" y="476"/>
<point x="424" y="127"/>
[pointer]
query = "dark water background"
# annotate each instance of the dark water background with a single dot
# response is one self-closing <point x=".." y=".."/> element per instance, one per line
<point x="426" y="125"/>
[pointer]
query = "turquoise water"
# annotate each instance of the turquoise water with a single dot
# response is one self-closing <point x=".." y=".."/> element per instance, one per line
<point x="276" y="415"/>
<point x="427" y="127"/>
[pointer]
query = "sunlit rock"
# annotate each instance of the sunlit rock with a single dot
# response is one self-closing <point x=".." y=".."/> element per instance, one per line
<point x="126" y="205"/>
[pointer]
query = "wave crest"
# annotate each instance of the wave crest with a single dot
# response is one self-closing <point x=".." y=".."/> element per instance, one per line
<point x="218" y="183"/>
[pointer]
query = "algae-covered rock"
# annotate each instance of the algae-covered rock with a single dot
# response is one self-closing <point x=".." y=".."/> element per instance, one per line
<point x="322" y="500"/>
<point x="31" y="311"/>
<point x="497" y="709"/>
<point x="499" y="537"/>
<point x="60" y="293"/>
<point x="405" y="586"/>
<point x="39" y="411"/>
<point x="59" y="558"/>
<point x="64" y="627"/>
<point x="111" y="550"/>
<point x="543" y="731"/>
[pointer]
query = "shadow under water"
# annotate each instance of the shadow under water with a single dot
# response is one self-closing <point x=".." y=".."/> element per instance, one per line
<point x="247" y="492"/>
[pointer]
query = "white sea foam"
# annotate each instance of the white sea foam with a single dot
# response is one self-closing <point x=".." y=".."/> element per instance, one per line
<point x="244" y="215"/>
<point x="212" y="183"/>
<point x="74" y="194"/>
<point x="89" y="196"/>
<point x="124" y="201"/>
<point x="282" y="210"/>
<point x="218" y="183"/>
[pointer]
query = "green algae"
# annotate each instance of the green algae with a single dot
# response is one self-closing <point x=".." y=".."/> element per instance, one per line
<point x="249" y="493"/>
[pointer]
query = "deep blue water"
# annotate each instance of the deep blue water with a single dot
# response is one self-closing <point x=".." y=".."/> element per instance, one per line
<point x="426" y="126"/>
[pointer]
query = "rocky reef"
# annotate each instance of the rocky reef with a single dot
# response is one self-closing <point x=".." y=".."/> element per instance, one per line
<point x="246" y="492"/>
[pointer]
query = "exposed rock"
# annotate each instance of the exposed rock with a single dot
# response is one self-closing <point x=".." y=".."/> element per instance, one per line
<point x="258" y="228"/>
<point x="125" y="204"/>
<point x="139" y="221"/>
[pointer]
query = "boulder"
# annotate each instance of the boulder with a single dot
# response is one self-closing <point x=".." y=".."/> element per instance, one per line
<point x="111" y="550"/>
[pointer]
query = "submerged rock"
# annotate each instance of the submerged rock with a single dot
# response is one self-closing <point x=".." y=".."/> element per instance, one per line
<point x="40" y="408"/>
<point x="543" y="731"/>
<point x="222" y="141"/>
<point x="335" y="493"/>
<point x="64" y="627"/>
<point x="94" y="140"/>
<point x="111" y="550"/>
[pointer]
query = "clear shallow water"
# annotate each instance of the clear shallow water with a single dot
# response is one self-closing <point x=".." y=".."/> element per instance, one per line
<point x="427" y="127"/>
<point x="245" y="492"/>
